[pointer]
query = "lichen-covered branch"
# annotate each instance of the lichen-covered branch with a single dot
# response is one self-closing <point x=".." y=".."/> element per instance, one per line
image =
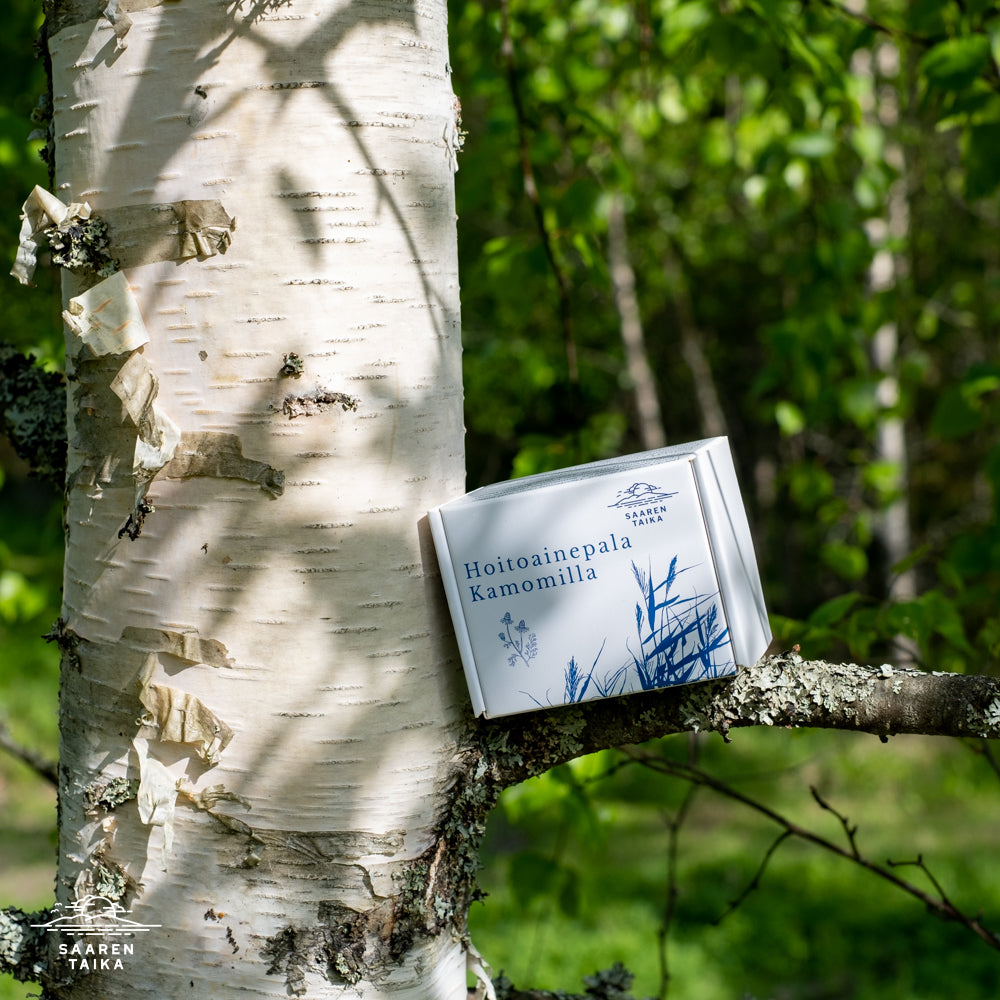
<point x="783" y="690"/>
<point x="23" y="946"/>
<point x="33" y="414"/>
<point x="606" y="984"/>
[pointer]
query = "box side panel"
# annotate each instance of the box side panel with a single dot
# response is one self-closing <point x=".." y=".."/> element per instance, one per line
<point x="732" y="547"/>
<point x="440" y="535"/>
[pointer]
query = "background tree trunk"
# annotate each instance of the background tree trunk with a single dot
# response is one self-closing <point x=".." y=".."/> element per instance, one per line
<point x="887" y="273"/>
<point x="301" y="619"/>
<point x="649" y="418"/>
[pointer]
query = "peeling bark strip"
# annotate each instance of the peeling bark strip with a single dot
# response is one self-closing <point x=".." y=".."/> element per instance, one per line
<point x="180" y="717"/>
<point x="98" y="246"/>
<point x="782" y="690"/>
<point x="145" y="234"/>
<point x="69" y="12"/>
<point x="203" y="453"/>
<point x="184" y="645"/>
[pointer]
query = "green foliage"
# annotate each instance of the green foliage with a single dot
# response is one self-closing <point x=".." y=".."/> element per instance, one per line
<point x="803" y="184"/>
<point x="30" y="533"/>
<point x="842" y="933"/>
<point x="774" y="157"/>
<point x="30" y="529"/>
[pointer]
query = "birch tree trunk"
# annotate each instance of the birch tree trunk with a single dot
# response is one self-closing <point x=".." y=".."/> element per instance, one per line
<point x="271" y="643"/>
<point x="888" y="271"/>
<point x="649" y="416"/>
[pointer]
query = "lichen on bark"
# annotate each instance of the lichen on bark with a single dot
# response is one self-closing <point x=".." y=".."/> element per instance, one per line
<point x="780" y="691"/>
<point x="23" y="951"/>
<point x="33" y="414"/>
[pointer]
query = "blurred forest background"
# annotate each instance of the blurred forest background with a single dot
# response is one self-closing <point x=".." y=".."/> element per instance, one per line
<point x="772" y="219"/>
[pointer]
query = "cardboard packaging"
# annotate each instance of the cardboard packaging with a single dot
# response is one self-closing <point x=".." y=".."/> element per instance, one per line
<point x="601" y="580"/>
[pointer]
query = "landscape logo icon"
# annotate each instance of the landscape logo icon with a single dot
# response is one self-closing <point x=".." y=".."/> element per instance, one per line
<point x="98" y="933"/>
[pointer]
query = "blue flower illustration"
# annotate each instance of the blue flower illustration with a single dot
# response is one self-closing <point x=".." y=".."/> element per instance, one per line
<point x="523" y="644"/>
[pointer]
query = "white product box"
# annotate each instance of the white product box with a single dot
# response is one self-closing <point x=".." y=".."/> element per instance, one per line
<point x="625" y="575"/>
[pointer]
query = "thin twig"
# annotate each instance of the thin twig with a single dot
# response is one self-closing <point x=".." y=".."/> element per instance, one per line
<point x="919" y="863"/>
<point x="40" y="765"/>
<point x="985" y="749"/>
<point x="754" y="883"/>
<point x="940" y="904"/>
<point x="849" y="831"/>
<point x="874" y="25"/>
<point x="674" y="825"/>
<point x="531" y="190"/>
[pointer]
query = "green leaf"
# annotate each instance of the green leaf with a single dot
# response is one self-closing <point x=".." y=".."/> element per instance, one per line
<point x="954" y="416"/>
<point x="949" y="575"/>
<point x="908" y="618"/>
<point x="812" y="144"/>
<point x="908" y="562"/>
<point x="789" y="417"/>
<point x="944" y="618"/>
<point x="982" y="160"/>
<point x="19" y="599"/>
<point x="848" y="561"/>
<point x="955" y="63"/>
<point x="885" y="478"/>
<point x="832" y="611"/>
<point x="869" y="142"/>
<point x="859" y="400"/>
<point x="809" y="485"/>
<point x="962" y="408"/>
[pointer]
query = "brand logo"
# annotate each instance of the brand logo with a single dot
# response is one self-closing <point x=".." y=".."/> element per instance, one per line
<point x="642" y="503"/>
<point x="104" y="928"/>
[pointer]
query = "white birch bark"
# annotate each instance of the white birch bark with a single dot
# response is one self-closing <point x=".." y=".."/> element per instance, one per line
<point x="309" y="622"/>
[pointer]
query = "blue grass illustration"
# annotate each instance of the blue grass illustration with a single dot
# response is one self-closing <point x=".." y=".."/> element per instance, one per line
<point x="680" y="638"/>
<point x="576" y="682"/>
<point x="523" y="644"/>
<point x="614" y="683"/>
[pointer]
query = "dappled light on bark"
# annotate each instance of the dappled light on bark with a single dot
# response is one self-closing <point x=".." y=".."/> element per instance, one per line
<point x="260" y="602"/>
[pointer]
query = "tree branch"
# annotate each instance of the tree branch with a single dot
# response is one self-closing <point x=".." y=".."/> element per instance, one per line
<point x="674" y="825"/>
<point x="23" y="944"/>
<point x="46" y="769"/>
<point x="939" y="904"/>
<point x="782" y="690"/>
